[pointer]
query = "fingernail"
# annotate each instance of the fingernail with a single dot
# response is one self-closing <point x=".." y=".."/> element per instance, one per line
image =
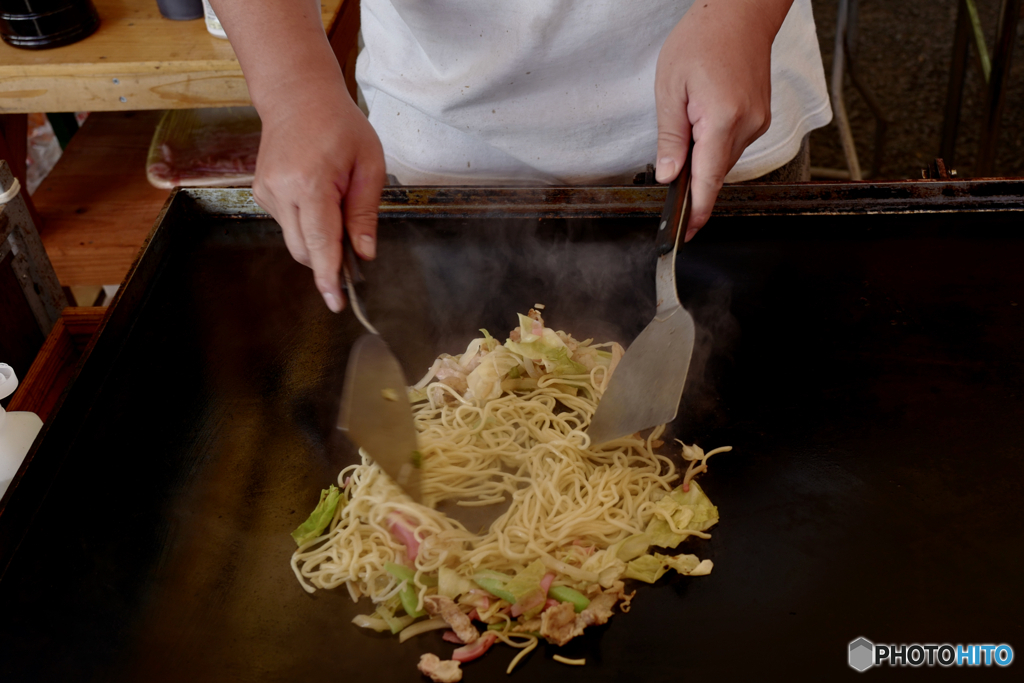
<point x="666" y="169"/>
<point x="332" y="302"/>
<point x="368" y="246"/>
<point x="690" y="234"/>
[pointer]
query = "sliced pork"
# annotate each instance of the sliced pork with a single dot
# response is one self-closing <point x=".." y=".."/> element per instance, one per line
<point x="440" y="606"/>
<point x="439" y="670"/>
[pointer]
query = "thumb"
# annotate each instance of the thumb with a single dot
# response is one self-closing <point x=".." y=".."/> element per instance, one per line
<point x="674" y="132"/>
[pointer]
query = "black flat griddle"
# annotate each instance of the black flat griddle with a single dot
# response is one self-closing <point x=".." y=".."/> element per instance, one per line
<point x="868" y="371"/>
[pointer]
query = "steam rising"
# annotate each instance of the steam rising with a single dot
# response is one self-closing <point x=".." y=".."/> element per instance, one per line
<point x="434" y="285"/>
<point x="438" y="281"/>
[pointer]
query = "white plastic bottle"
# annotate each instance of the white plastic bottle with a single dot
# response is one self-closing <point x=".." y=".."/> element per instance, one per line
<point x="212" y="22"/>
<point x="17" y="431"/>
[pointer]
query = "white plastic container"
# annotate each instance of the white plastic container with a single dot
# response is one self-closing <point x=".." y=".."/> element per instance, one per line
<point x="17" y="431"/>
<point x="212" y="22"/>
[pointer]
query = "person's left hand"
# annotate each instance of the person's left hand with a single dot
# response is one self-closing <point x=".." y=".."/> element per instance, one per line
<point x="713" y="82"/>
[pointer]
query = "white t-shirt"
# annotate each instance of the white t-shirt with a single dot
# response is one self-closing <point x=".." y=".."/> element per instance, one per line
<point x="550" y="91"/>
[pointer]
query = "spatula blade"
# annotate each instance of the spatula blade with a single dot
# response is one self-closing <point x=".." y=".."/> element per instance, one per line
<point x="648" y="383"/>
<point x="376" y="414"/>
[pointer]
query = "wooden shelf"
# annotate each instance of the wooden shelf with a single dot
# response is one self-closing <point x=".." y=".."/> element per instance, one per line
<point x="135" y="60"/>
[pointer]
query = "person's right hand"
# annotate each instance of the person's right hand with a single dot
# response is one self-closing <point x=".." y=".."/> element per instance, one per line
<point x="320" y="171"/>
<point x="713" y="87"/>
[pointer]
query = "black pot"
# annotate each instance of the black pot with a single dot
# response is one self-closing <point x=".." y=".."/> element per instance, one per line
<point x="38" y="24"/>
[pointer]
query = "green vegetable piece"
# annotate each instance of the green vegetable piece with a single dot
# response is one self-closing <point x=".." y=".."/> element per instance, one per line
<point x="525" y="587"/>
<point x="633" y="547"/>
<point x="396" y="624"/>
<point x="400" y="572"/>
<point x="489" y="343"/>
<point x="705" y="515"/>
<point x="485" y="380"/>
<point x="690" y="510"/>
<point x="555" y="359"/>
<point x="407" y="595"/>
<point x="409" y="600"/>
<point x="566" y="594"/>
<point x="495" y="587"/>
<point x="403" y="573"/>
<point x="683" y="564"/>
<point x="451" y="584"/>
<point x="546" y="348"/>
<point x="527" y="581"/>
<point x="645" y="568"/>
<point x="660" y="534"/>
<point x="417" y="459"/>
<point x="321" y="517"/>
<point x="650" y="568"/>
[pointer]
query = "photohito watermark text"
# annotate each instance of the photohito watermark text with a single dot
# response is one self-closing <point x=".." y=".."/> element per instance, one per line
<point x="864" y="654"/>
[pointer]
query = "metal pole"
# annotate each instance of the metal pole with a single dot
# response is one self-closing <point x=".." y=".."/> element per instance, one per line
<point x="955" y="92"/>
<point x="999" y="79"/>
<point x="838" y="107"/>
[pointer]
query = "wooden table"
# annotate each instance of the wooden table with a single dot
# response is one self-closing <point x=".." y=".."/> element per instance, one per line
<point x="137" y="60"/>
<point x="96" y="208"/>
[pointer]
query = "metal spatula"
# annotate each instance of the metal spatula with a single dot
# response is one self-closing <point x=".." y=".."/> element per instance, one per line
<point x="375" y="408"/>
<point x="646" y="387"/>
<point x="376" y="413"/>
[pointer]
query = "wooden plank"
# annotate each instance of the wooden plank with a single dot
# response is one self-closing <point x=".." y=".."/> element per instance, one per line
<point x="169" y="86"/>
<point x="41" y="387"/>
<point x="82" y="322"/>
<point x="135" y="60"/>
<point x="96" y="205"/>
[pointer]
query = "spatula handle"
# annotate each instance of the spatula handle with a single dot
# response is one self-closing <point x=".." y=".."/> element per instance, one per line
<point x="349" y="261"/>
<point x="676" y="213"/>
<point x="350" y="276"/>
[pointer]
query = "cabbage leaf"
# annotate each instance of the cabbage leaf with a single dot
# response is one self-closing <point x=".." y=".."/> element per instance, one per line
<point x="451" y="584"/>
<point x="485" y="380"/>
<point x="689" y="511"/>
<point x="321" y="517"/>
<point x="650" y="568"/>
<point x="526" y="581"/>
<point x="547" y="348"/>
<point x="647" y="568"/>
